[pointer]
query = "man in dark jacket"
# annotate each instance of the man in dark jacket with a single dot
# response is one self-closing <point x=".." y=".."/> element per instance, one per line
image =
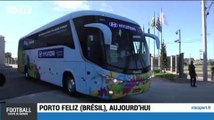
<point x="192" y="74"/>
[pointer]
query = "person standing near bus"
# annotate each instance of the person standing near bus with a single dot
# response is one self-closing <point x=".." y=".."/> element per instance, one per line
<point x="192" y="74"/>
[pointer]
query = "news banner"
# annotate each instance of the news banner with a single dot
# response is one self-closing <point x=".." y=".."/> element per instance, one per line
<point x="104" y="111"/>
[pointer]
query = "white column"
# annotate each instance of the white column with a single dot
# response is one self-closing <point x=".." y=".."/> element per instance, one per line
<point x="159" y="63"/>
<point x="171" y="63"/>
<point x="204" y="30"/>
<point x="152" y="63"/>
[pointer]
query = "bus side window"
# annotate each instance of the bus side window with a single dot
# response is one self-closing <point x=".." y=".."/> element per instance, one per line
<point x="61" y="37"/>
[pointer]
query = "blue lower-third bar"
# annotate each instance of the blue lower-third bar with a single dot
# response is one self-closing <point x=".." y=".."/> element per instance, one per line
<point x="125" y="116"/>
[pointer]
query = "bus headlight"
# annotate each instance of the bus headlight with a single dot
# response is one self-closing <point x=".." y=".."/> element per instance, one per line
<point x="117" y="81"/>
<point x="110" y="79"/>
<point x="110" y="92"/>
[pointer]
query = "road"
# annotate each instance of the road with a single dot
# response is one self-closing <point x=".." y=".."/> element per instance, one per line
<point x="20" y="90"/>
<point x="16" y="85"/>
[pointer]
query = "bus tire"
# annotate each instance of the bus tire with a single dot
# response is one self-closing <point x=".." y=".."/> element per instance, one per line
<point x="69" y="84"/>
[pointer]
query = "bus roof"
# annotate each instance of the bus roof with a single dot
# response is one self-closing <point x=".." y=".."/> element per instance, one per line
<point x="79" y="14"/>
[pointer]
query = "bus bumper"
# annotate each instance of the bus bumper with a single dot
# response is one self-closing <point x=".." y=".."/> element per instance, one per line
<point x="118" y="90"/>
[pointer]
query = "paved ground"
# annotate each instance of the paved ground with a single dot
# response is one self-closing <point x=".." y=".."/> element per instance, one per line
<point x="161" y="91"/>
<point x="16" y="85"/>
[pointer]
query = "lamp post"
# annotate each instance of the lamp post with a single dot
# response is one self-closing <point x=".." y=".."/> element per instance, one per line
<point x="178" y="32"/>
<point x="204" y="31"/>
<point x="205" y="12"/>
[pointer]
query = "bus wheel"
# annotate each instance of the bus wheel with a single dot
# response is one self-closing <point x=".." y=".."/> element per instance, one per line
<point x="70" y="86"/>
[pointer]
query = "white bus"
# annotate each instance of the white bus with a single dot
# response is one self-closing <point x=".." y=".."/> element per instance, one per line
<point x="90" y="52"/>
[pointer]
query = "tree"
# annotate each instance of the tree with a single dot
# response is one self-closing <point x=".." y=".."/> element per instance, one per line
<point x="212" y="70"/>
<point x="163" y="57"/>
<point x="8" y="55"/>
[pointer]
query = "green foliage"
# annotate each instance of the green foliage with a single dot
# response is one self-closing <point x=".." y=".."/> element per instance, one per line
<point x="163" y="57"/>
<point x="212" y="69"/>
<point x="8" y="55"/>
<point x="212" y="66"/>
<point x="157" y="71"/>
<point x="167" y="76"/>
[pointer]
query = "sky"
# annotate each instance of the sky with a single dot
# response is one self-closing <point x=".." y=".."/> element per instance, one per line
<point x="18" y="18"/>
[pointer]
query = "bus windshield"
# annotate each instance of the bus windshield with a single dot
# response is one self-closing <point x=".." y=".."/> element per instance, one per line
<point x="126" y="49"/>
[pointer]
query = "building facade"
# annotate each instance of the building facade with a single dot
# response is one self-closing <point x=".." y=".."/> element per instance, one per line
<point x="2" y="50"/>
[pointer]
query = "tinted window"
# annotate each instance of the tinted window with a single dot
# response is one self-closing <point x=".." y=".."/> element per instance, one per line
<point x="127" y="49"/>
<point x="91" y="40"/>
<point x="57" y="35"/>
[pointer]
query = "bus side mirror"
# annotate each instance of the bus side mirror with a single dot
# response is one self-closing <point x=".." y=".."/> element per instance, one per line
<point x="155" y="38"/>
<point x="2" y="79"/>
<point x="105" y="30"/>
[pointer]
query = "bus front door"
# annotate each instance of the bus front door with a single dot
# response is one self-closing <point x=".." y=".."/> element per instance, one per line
<point x="95" y="57"/>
